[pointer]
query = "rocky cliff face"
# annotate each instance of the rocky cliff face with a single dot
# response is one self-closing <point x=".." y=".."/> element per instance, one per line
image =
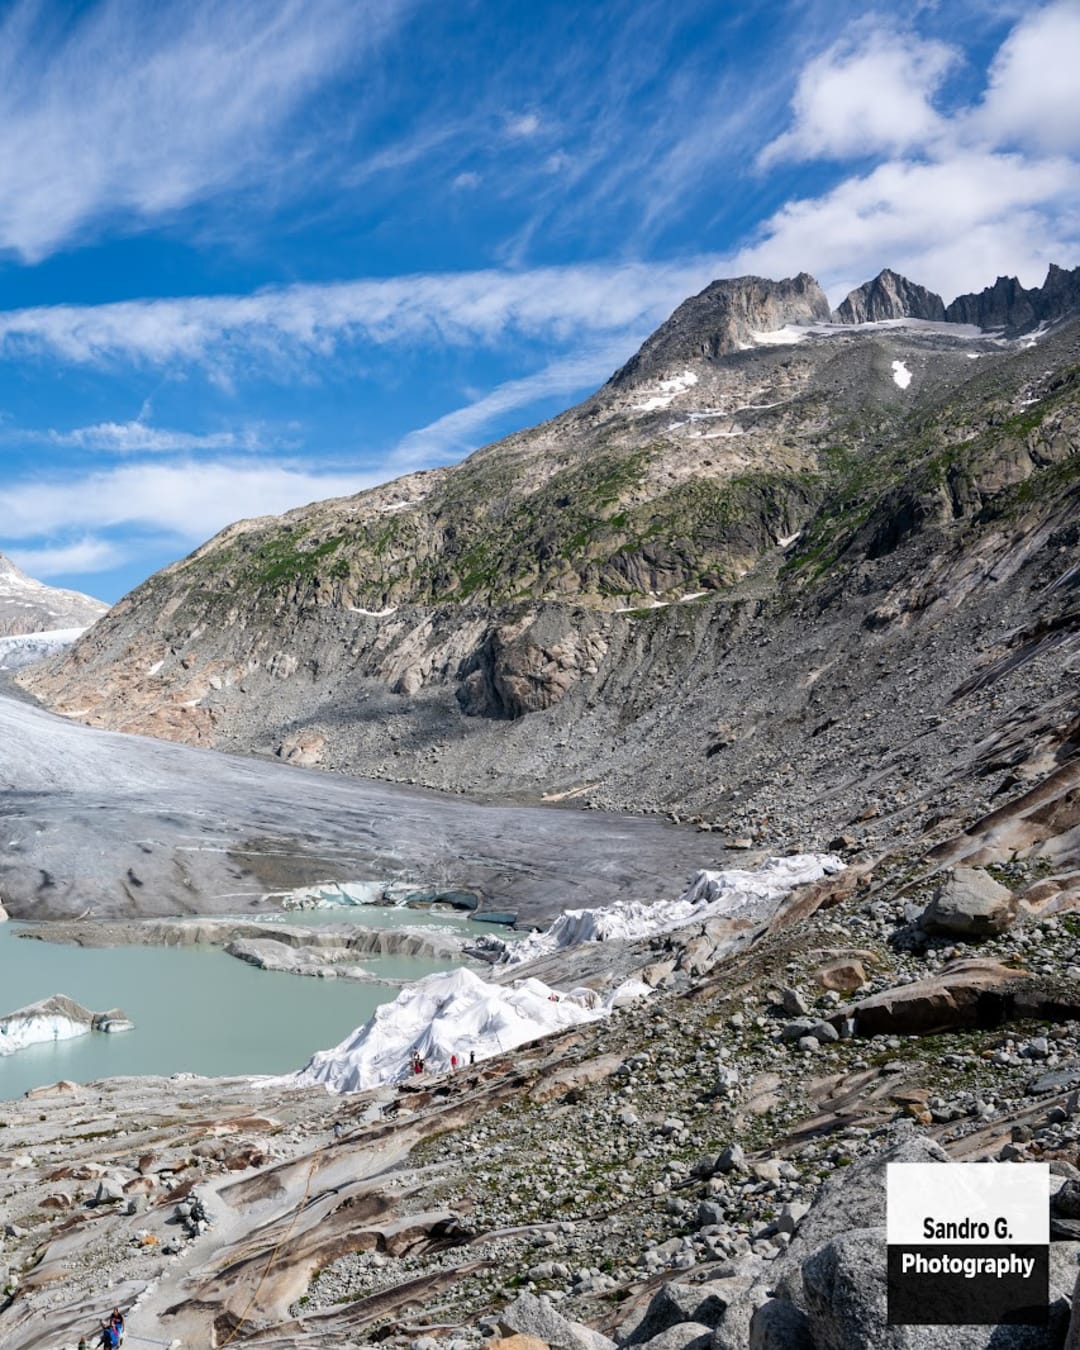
<point x="1007" y="305"/>
<point x="29" y="606"/>
<point x="890" y="296"/>
<point x="702" y="591"/>
<point x="723" y="319"/>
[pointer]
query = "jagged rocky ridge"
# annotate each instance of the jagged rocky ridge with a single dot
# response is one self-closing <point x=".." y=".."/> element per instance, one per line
<point x="785" y="580"/>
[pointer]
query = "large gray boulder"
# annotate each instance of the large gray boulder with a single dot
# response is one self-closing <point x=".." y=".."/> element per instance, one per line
<point x="969" y="904"/>
<point x="853" y="1197"/>
<point x="733" y="1333"/>
<point x="845" y="1292"/>
<point x="682" y="1336"/>
<point x="779" y="1325"/>
<point x="532" y="1316"/>
<point x="676" y="1303"/>
<point x="846" y="1298"/>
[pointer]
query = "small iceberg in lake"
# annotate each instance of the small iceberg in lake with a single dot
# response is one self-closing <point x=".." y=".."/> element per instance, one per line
<point x="57" y="1018"/>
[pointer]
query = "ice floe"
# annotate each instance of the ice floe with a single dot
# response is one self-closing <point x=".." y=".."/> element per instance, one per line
<point x="54" y="1019"/>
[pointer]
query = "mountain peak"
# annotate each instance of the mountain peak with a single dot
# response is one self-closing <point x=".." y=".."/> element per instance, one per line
<point x="1009" y="306"/>
<point x="889" y="296"/>
<point x="29" y="606"/>
<point x="723" y="318"/>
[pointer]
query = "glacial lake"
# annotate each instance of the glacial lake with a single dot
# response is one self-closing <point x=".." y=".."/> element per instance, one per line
<point x="196" y="1009"/>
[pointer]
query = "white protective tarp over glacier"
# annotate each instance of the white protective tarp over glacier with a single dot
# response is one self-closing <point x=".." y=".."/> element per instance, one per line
<point x="710" y="894"/>
<point x="458" y="1013"/>
<point x="455" y="1013"/>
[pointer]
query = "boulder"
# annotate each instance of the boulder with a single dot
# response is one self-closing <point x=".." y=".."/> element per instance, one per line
<point x="532" y="1316"/>
<point x="844" y="1289"/>
<point x="853" y="1197"/>
<point x="964" y="994"/>
<point x="969" y="904"/>
<point x="109" y="1190"/>
<point x="678" y="1304"/>
<point x="683" y="1336"/>
<point x="844" y="975"/>
<point x="779" y="1325"/>
<point x="845" y="1293"/>
<point x="733" y="1333"/>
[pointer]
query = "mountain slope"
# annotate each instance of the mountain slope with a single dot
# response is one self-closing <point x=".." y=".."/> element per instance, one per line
<point x="29" y="606"/>
<point x="777" y="574"/>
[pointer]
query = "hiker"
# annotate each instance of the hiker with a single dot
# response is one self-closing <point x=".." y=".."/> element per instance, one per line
<point x="110" y="1337"/>
<point x="116" y="1321"/>
<point x="453" y="1063"/>
<point x="472" y="1056"/>
<point x="82" y="1343"/>
<point x="338" y="1129"/>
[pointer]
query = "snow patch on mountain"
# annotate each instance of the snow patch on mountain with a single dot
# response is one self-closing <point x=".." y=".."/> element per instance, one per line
<point x="666" y="391"/>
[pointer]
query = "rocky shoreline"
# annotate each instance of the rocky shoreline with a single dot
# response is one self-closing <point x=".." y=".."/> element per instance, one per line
<point x="327" y="952"/>
<point x="693" y="1166"/>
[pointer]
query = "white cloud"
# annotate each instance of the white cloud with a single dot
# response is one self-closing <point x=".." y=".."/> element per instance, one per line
<point x="558" y="162"/>
<point x="959" y="198"/>
<point x="188" y="498"/>
<point x="274" y="327"/>
<point x="870" y="98"/>
<point x="951" y="225"/>
<point x="138" y="436"/>
<point x="87" y="554"/>
<point x="454" y="434"/>
<point x="134" y="109"/>
<point x="466" y="181"/>
<point x="523" y="126"/>
<point x="1033" y="94"/>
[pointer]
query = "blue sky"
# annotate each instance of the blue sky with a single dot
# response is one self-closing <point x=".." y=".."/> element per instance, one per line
<point x="258" y="252"/>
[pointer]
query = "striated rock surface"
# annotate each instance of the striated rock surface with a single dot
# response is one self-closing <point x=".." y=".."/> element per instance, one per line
<point x="889" y="296"/>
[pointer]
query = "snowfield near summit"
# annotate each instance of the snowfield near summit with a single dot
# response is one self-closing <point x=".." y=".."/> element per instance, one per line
<point x="449" y="1014"/>
<point x="710" y="895"/>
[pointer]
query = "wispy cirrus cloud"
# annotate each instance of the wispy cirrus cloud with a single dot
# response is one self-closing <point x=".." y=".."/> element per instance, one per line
<point x="557" y="304"/>
<point x="188" y="499"/>
<point x="132" y="110"/>
<point x="86" y="554"/>
<point x="448" y="437"/>
<point x="140" y="437"/>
